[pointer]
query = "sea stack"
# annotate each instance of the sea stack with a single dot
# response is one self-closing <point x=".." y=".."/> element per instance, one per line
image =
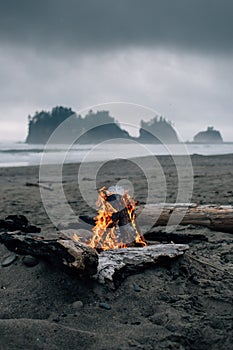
<point x="158" y="130"/>
<point x="209" y="136"/>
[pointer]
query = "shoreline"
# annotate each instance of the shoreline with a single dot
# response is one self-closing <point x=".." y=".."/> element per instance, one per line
<point x="186" y="304"/>
<point x="19" y="165"/>
<point x="30" y="155"/>
<point x="208" y="175"/>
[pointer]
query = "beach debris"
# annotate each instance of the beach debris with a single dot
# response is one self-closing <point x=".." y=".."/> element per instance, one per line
<point x="8" y="260"/>
<point x="107" y="266"/>
<point x="136" y="287"/>
<point x="113" y="248"/>
<point x="63" y="252"/>
<point x="160" y="234"/>
<point x="18" y="222"/>
<point x="215" y="217"/>
<point x="115" y="265"/>
<point x="105" y="306"/>
<point x="48" y="187"/>
<point x="30" y="261"/>
<point x="77" y="305"/>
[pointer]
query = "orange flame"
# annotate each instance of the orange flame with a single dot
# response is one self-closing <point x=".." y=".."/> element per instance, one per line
<point x="109" y="232"/>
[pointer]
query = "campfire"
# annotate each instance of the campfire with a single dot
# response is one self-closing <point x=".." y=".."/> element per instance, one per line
<point x="115" y="247"/>
<point x="115" y="224"/>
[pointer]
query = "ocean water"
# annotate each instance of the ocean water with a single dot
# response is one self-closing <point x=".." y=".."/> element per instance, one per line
<point x="21" y="154"/>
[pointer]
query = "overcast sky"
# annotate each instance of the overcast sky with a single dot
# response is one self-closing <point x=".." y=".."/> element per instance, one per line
<point x="174" y="56"/>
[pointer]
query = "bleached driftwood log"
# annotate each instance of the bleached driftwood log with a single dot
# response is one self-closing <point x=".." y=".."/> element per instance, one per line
<point x="215" y="217"/>
<point x="74" y="257"/>
<point x="64" y="252"/>
<point x="116" y="264"/>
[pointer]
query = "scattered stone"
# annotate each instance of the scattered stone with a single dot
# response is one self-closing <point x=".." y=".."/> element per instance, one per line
<point x="135" y="323"/>
<point x="136" y="288"/>
<point x="105" y="306"/>
<point x="77" y="305"/>
<point x="172" y="327"/>
<point x="158" y="318"/>
<point x="18" y="222"/>
<point x="8" y="260"/>
<point x="30" y="261"/>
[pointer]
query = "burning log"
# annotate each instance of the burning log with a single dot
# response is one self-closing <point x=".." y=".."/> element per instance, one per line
<point x="116" y="264"/>
<point x="217" y="218"/>
<point x="64" y="252"/>
<point x="115" y="224"/>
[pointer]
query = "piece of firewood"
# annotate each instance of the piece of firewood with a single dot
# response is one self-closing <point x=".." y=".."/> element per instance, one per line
<point x="215" y="217"/>
<point x="63" y="252"/>
<point x="116" y="264"/>
<point x="35" y="184"/>
<point x="176" y="237"/>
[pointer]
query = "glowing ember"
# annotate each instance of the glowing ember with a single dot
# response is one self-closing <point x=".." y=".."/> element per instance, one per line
<point x="115" y="225"/>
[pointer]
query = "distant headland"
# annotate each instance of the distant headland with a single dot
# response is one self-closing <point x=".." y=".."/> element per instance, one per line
<point x="94" y="127"/>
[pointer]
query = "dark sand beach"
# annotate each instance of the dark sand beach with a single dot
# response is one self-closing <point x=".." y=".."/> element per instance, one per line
<point x="187" y="305"/>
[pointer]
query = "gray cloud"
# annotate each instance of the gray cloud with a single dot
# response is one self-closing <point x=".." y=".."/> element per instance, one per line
<point x="205" y="25"/>
<point x="190" y="90"/>
<point x="174" y="56"/>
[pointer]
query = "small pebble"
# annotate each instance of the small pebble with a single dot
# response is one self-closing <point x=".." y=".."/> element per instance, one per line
<point x="8" y="260"/>
<point x="136" y="288"/>
<point x="159" y="318"/>
<point x="135" y="323"/>
<point x="77" y="305"/>
<point x="30" y="261"/>
<point x="105" y="306"/>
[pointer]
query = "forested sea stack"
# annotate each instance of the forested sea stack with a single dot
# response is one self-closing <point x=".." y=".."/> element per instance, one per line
<point x="42" y="124"/>
<point x="158" y="130"/>
<point x="93" y="128"/>
<point x="209" y="136"/>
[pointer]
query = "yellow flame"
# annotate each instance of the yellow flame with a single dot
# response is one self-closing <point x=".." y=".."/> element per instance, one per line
<point x="105" y="235"/>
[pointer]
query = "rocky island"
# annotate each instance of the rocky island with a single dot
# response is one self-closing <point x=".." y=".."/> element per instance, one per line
<point x="157" y="130"/>
<point x="93" y="128"/>
<point x="209" y="136"/>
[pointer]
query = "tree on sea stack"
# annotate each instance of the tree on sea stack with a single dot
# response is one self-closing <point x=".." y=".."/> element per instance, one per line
<point x="42" y="124"/>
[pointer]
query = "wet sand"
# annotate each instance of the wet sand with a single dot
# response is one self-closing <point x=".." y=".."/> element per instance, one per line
<point x="185" y="305"/>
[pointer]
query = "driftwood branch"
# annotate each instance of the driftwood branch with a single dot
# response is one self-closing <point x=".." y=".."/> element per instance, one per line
<point x="67" y="254"/>
<point x="35" y="184"/>
<point x="218" y="218"/>
<point x="75" y="257"/>
<point x="161" y="235"/>
<point x="116" y="264"/>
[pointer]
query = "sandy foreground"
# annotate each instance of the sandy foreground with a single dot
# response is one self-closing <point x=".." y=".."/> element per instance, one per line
<point x="187" y="305"/>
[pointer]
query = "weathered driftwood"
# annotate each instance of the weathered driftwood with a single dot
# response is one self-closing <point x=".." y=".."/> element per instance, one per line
<point x="36" y="184"/>
<point x="161" y="235"/>
<point x="74" y="257"/>
<point x="116" y="264"/>
<point x="67" y="254"/>
<point x="18" y="223"/>
<point x="215" y="217"/>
